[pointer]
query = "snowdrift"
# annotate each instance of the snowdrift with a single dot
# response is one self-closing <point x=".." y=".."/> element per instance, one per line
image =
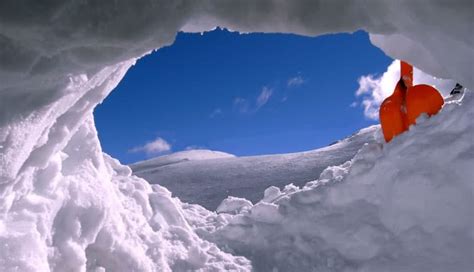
<point x="66" y="206"/>
<point x="208" y="182"/>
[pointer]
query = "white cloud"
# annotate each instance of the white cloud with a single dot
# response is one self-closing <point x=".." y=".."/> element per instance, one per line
<point x="295" y="81"/>
<point x="159" y="145"/>
<point x="374" y="89"/>
<point x="264" y="96"/>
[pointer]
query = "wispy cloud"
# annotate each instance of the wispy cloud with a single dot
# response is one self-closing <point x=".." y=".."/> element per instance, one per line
<point x="243" y="105"/>
<point x="216" y="112"/>
<point x="295" y="81"/>
<point x="264" y="96"/>
<point x="159" y="145"/>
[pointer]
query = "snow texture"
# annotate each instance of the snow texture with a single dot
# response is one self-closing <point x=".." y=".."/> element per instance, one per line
<point x="66" y="206"/>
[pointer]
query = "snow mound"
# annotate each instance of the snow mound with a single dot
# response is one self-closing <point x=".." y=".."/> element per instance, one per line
<point x="403" y="206"/>
<point x="208" y="182"/>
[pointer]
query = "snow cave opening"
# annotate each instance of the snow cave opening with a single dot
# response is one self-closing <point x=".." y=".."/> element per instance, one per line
<point x="234" y="97"/>
<point x="216" y="95"/>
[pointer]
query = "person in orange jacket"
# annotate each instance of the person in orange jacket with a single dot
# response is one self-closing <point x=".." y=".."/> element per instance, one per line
<point x="402" y="108"/>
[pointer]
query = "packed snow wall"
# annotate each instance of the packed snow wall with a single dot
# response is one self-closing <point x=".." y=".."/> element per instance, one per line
<point x="64" y="205"/>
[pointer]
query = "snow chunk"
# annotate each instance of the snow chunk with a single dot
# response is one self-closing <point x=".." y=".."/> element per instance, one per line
<point x="233" y="205"/>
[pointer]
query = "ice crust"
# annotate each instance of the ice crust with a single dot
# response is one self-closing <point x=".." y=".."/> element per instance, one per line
<point x="66" y="206"/>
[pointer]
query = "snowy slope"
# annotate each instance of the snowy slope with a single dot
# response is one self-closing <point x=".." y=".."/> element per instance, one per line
<point x="403" y="206"/>
<point x="209" y="182"/>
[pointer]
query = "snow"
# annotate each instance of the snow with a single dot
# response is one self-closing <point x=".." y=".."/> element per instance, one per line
<point x="67" y="206"/>
<point x="208" y="182"/>
<point x="87" y="212"/>
<point x="233" y="205"/>
<point x="403" y="206"/>
<point x="180" y="157"/>
<point x="70" y="37"/>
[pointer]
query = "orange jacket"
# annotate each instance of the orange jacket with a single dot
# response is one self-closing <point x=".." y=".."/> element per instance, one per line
<point x="407" y="102"/>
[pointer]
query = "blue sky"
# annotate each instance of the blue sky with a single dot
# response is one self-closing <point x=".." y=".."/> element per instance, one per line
<point x="243" y="94"/>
